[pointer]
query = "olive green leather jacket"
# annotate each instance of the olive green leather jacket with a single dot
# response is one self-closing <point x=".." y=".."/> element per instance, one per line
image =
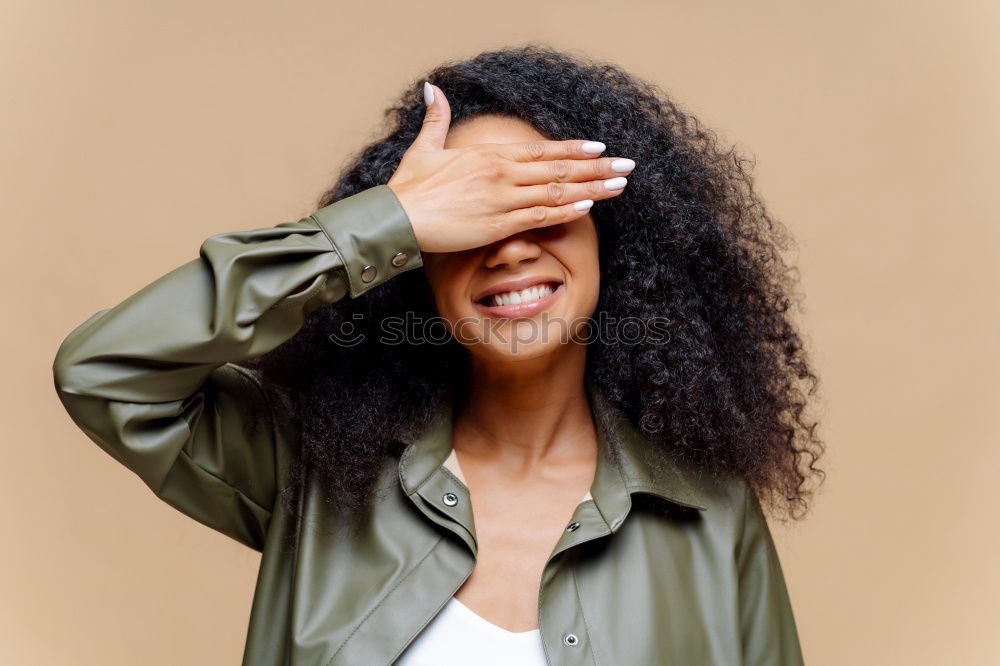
<point x="678" y="571"/>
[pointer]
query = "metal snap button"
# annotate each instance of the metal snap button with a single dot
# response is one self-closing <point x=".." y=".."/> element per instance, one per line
<point x="368" y="273"/>
<point x="571" y="640"/>
<point x="572" y="526"/>
<point x="399" y="259"/>
<point x="451" y="499"/>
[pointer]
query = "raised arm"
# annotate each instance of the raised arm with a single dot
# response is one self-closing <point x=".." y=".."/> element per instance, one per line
<point x="152" y="380"/>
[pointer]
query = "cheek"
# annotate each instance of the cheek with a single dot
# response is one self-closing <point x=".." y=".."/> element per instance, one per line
<point x="592" y="291"/>
<point x="586" y="268"/>
<point x="447" y="280"/>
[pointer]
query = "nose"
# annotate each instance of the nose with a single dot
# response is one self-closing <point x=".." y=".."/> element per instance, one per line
<point x="511" y="251"/>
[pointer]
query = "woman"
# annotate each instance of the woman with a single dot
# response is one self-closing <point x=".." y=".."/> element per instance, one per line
<point x="549" y="445"/>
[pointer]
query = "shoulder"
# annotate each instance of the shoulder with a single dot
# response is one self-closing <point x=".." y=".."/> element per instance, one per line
<point x="725" y="497"/>
<point x="732" y="509"/>
<point x="717" y="493"/>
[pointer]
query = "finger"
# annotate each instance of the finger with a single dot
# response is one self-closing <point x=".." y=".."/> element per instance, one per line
<point x="437" y="120"/>
<point x="544" y="216"/>
<point x="558" y="194"/>
<point x="533" y="151"/>
<point x="567" y="171"/>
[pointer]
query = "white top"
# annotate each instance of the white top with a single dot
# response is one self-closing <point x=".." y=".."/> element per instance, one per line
<point x="457" y="636"/>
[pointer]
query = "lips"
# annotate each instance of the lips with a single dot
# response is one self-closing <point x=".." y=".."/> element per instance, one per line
<point x="516" y="285"/>
<point x="507" y="309"/>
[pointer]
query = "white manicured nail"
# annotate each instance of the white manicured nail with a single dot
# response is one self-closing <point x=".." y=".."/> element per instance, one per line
<point x="623" y="165"/>
<point x="583" y="205"/>
<point x="615" y="183"/>
<point x="593" y="147"/>
<point x="428" y="94"/>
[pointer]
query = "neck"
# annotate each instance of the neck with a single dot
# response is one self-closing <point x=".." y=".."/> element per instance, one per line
<point x="525" y="412"/>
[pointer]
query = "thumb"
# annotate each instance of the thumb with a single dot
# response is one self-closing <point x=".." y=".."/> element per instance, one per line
<point x="437" y="119"/>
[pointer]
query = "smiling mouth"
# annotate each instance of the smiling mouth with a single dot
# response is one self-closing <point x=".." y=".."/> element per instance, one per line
<point x="533" y="293"/>
<point x="521" y="302"/>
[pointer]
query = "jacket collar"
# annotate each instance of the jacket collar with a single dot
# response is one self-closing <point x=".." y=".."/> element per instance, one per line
<point x="615" y="431"/>
<point x="621" y="467"/>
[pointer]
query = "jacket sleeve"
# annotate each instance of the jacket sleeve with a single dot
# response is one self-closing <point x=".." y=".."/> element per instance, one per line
<point x="770" y="637"/>
<point x="153" y="380"/>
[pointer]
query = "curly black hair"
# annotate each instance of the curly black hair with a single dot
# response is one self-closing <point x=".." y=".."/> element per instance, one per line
<point x="689" y="242"/>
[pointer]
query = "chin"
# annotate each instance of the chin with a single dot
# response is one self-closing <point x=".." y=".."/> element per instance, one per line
<point x="508" y="352"/>
<point x="518" y="340"/>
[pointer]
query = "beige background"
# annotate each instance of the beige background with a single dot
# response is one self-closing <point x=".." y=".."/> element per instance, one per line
<point x="132" y="131"/>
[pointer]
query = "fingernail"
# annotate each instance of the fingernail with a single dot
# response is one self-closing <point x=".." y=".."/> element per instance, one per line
<point x="615" y="183"/>
<point x="583" y="205"/>
<point x="428" y="94"/>
<point x="622" y="165"/>
<point x="593" y="147"/>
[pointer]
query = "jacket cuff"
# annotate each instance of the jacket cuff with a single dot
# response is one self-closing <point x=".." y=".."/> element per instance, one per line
<point x="372" y="234"/>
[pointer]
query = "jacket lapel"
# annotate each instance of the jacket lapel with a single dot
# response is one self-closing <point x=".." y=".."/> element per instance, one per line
<point x="438" y="493"/>
<point x="430" y="476"/>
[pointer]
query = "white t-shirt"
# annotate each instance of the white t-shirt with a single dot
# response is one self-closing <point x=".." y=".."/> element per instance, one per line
<point x="457" y="636"/>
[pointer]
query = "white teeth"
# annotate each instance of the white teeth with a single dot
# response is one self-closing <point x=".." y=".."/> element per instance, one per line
<point x="528" y="295"/>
